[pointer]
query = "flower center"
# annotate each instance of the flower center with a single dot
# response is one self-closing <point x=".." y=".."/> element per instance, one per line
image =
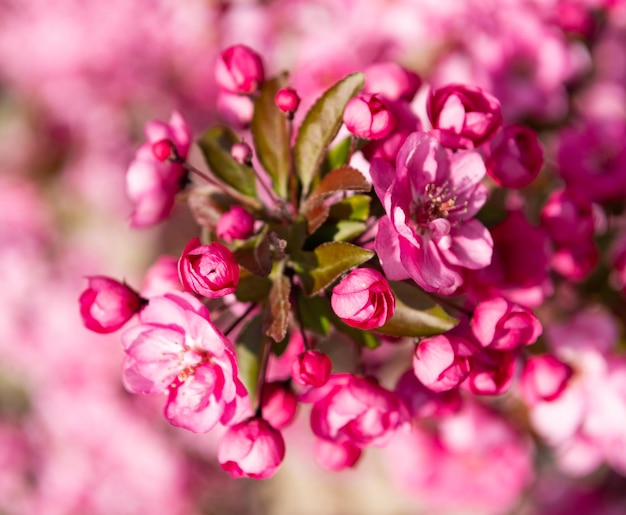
<point x="437" y="202"/>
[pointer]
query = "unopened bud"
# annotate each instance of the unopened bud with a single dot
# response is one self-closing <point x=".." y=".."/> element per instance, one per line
<point x="242" y="153"/>
<point x="287" y="100"/>
<point x="163" y="149"/>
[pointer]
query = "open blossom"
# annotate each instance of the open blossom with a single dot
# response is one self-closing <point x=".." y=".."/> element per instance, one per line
<point x="252" y="448"/>
<point x="239" y="69"/>
<point x="177" y="350"/>
<point x="463" y="116"/>
<point x="363" y="299"/>
<point x="152" y="182"/>
<point x="106" y="304"/>
<point x="430" y="198"/>
<point x="368" y="117"/>
<point x="209" y="270"/>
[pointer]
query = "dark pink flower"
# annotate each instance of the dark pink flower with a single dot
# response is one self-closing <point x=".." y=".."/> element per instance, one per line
<point x="106" y="304"/>
<point x="278" y="403"/>
<point x="422" y="401"/>
<point x="235" y="224"/>
<point x="209" y="270"/>
<point x="500" y="324"/>
<point x="491" y="371"/>
<point x="515" y="157"/>
<point x="335" y="455"/>
<point x="252" y="448"/>
<point x="287" y="100"/>
<point x="176" y="349"/>
<point x="543" y="378"/>
<point x="363" y="299"/>
<point x="239" y="69"/>
<point x="358" y="411"/>
<point x="568" y="217"/>
<point x="368" y="117"/>
<point x="391" y="81"/>
<point x="441" y="362"/>
<point x="312" y="368"/>
<point x="430" y="198"/>
<point x="463" y="116"/>
<point x="151" y="182"/>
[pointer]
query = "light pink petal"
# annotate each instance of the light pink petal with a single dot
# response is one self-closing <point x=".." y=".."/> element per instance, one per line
<point x="486" y="316"/>
<point x="428" y="269"/>
<point x="388" y="249"/>
<point x="452" y="116"/>
<point x="467" y="169"/>
<point x="432" y="357"/>
<point x="472" y="246"/>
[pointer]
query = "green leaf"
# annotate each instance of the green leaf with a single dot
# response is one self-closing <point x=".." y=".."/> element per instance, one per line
<point x="249" y="346"/>
<point x="270" y="132"/>
<point x="277" y="312"/>
<point x="338" y="155"/>
<point x="356" y="207"/>
<point x="254" y="255"/>
<point x="342" y="230"/>
<point x="320" y="126"/>
<point x="314" y="313"/>
<point x="215" y="145"/>
<point x="416" y="314"/>
<point x="321" y="267"/>
<point x="252" y="288"/>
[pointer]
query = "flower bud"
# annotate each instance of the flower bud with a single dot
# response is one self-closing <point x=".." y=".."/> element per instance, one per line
<point x="543" y="379"/>
<point x="252" y="448"/>
<point x="279" y="404"/>
<point x="463" y="116"/>
<point x="163" y="149"/>
<point x="334" y="455"/>
<point x="516" y="157"/>
<point x="106" y="304"/>
<point x="363" y="299"/>
<point x="311" y="368"/>
<point x="236" y="224"/>
<point x="369" y="118"/>
<point x="209" y="270"/>
<point x="568" y="217"/>
<point x="242" y="153"/>
<point x="441" y="362"/>
<point x="239" y="69"/>
<point x="287" y="100"/>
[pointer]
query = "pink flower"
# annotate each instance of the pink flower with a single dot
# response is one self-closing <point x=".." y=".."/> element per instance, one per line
<point x="441" y="362"/>
<point x="176" y="349"/>
<point x="368" y="117"/>
<point x="391" y="81"/>
<point x="423" y="402"/>
<point x="106" y="304"/>
<point x="239" y="69"/>
<point x="515" y="158"/>
<point x="237" y="110"/>
<point x="209" y="270"/>
<point x="491" y="371"/>
<point x="241" y="153"/>
<point x="161" y="277"/>
<point x="463" y="116"/>
<point x="312" y="368"/>
<point x="568" y="217"/>
<point x="500" y="324"/>
<point x="287" y="100"/>
<point x="544" y="378"/>
<point x="252" y="448"/>
<point x="430" y="198"/>
<point x="363" y="299"/>
<point x="279" y="404"/>
<point x="358" y="411"/>
<point x="235" y="224"/>
<point x="336" y="456"/>
<point x="152" y="183"/>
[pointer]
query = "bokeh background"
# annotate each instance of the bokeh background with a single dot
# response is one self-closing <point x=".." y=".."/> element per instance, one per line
<point x="78" y="80"/>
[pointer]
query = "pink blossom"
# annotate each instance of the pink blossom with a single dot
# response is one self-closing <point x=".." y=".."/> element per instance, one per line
<point x="515" y="157"/>
<point x="358" y="411"/>
<point x="430" y="198"/>
<point x="543" y="378"/>
<point x="391" y="81"/>
<point x="363" y="299"/>
<point x="287" y="100"/>
<point x="252" y="448"/>
<point x="176" y="349"/>
<point x="312" y="368"/>
<point x="152" y="183"/>
<point x="463" y="116"/>
<point x="237" y="110"/>
<point x="106" y="304"/>
<point x="161" y="277"/>
<point x="441" y="362"/>
<point x="568" y="217"/>
<point x="242" y="153"/>
<point x="500" y="324"/>
<point x="336" y="455"/>
<point x="209" y="270"/>
<point x="239" y="69"/>
<point x="235" y="224"/>
<point x="279" y="404"/>
<point x="368" y="117"/>
<point x="423" y="402"/>
<point x="491" y="371"/>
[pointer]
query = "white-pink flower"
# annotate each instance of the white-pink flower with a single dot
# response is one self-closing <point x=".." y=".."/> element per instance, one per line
<point x="177" y="350"/>
<point x="430" y="198"/>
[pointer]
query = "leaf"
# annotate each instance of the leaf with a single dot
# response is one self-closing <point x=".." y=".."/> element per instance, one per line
<point x="215" y="145"/>
<point x="277" y="313"/>
<point x="254" y="255"/>
<point x="345" y="178"/>
<point x="338" y="155"/>
<point x="270" y="132"/>
<point x="249" y="346"/>
<point x="342" y="230"/>
<point x="314" y="313"/>
<point x="252" y="288"/>
<point x="356" y="207"/>
<point x="315" y="213"/>
<point x="416" y="314"/>
<point x="320" y="126"/>
<point x="321" y="267"/>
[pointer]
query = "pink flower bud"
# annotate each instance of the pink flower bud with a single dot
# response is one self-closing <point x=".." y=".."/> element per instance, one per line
<point x="163" y="149"/>
<point x="239" y="69"/>
<point x="279" y="404"/>
<point x="235" y="109"/>
<point x="311" y="368"/>
<point x="287" y="100"/>
<point x="336" y="456"/>
<point x="369" y="118"/>
<point x="568" y="217"/>
<point x="463" y="116"/>
<point x="543" y="379"/>
<point x="500" y="324"/>
<point x="516" y="157"/>
<point x="242" y="153"/>
<point x="391" y="81"/>
<point x="441" y="362"/>
<point x="363" y="299"/>
<point x="236" y="224"/>
<point x="106" y="304"/>
<point x="491" y="371"/>
<point x="252" y="448"/>
<point x="209" y="270"/>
